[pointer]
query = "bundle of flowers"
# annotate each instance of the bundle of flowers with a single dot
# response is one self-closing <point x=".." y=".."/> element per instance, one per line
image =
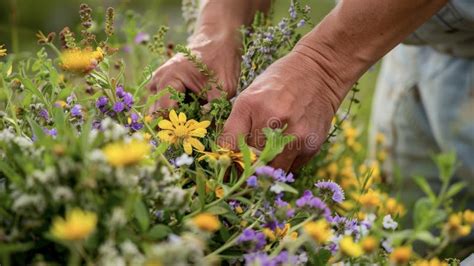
<point x="88" y="176"/>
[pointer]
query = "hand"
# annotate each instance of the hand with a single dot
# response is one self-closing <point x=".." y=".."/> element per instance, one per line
<point x="294" y="91"/>
<point x="220" y="51"/>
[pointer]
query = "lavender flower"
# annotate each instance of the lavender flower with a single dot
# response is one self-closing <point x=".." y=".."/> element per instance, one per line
<point x="142" y="37"/>
<point x="311" y="202"/>
<point x="50" y="132"/>
<point x="76" y="111"/>
<point x="277" y="174"/>
<point x="133" y="122"/>
<point x="44" y="114"/>
<point x="101" y="103"/>
<point x="252" y="239"/>
<point x="120" y="92"/>
<point x="118" y="107"/>
<point x="333" y="188"/>
<point x="70" y="99"/>
<point x="292" y="11"/>
<point x="252" y="181"/>
<point x="301" y="23"/>
<point x="128" y="100"/>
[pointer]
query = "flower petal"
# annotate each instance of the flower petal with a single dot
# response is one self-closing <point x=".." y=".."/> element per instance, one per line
<point x="166" y="124"/>
<point x="182" y="118"/>
<point x="203" y="124"/>
<point x="196" y="144"/>
<point x="166" y="135"/>
<point x="198" y="132"/>
<point x="174" y="118"/>
<point x="187" y="147"/>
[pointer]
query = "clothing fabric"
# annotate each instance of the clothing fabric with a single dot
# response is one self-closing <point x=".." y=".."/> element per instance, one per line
<point x="424" y="100"/>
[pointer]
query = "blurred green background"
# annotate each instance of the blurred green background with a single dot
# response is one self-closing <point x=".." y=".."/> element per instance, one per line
<point x="21" y="19"/>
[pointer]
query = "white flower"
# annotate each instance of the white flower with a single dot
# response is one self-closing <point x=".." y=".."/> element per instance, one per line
<point x="62" y="193"/>
<point x="387" y="245"/>
<point x="118" y="218"/>
<point x="276" y="188"/>
<point x="184" y="159"/>
<point x="389" y="223"/>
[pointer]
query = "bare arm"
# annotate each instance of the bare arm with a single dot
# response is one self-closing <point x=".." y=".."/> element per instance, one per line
<point x="305" y="88"/>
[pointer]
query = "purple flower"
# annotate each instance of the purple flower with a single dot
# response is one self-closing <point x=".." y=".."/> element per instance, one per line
<point x="50" y="132"/>
<point x="142" y="37"/>
<point x="252" y="239"/>
<point x="333" y="188"/>
<point x="118" y="107"/>
<point x="345" y="225"/>
<point x="128" y="100"/>
<point x="277" y="174"/>
<point x="292" y="11"/>
<point x="133" y="122"/>
<point x="311" y="202"/>
<point x="44" y="114"/>
<point x="97" y="124"/>
<point x="76" y="111"/>
<point x="70" y="99"/>
<point x="252" y="181"/>
<point x="301" y="23"/>
<point x="119" y="91"/>
<point x="101" y="102"/>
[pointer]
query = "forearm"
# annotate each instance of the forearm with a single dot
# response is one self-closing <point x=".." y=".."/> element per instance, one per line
<point x="358" y="33"/>
<point x="229" y="14"/>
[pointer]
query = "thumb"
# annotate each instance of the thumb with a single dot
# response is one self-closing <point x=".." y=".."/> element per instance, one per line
<point x="238" y="124"/>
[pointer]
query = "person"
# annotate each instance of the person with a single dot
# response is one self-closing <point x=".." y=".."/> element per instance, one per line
<point x="425" y="96"/>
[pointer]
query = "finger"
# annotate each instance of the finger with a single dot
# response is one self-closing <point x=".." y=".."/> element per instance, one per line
<point x="284" y="160"/>
<point x="238" y="124"/>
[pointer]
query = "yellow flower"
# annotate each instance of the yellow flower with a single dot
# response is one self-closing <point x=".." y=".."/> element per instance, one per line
<point x="78" y="225"/>
<point x="179" y="130"/>
<point x="279" y="233"/>
<point x="393" y="207"/>
<point x="350" y="248"/>
<point x="223" y="154"/>
<point x="456" y="226"/>
<point x="432" y="262"/>
<point x="319" y="231"/>
<point x="124" y="154"/>
<point x="148" y="119"/>
<point x="369" y="244"/>
<point x="3" y="51"/>
<point x="380" y="138"/>
<point x="206" y="222"/>
<point x="401" y="255"/>
<point x="371" y="199"/>
<point x="81" y="61"/>
<point x="332" y="169"/>
<point x="60" y="104"/>
<point x="469" y="217"/>
<point x="219" y="192"/>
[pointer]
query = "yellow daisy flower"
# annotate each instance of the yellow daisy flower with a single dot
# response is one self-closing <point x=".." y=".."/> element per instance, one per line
<point x="77" y="225"/>
<point x="350" y="248"/>
<point x="319" y="231"/>
<point x="223" y="154"/>
<point x="179" y="130"/>
<point x="81" y="61"/>
<point x="206" y="222"/>
<point x="3" y="51"/>
<point x="401" y="255"/>
<point x="124" y="154"/>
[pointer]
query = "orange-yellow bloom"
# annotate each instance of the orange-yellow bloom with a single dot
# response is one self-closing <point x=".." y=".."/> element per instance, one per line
<point x="206" y="222"/>
<point x="179" y="130"/>
<point x="77" y="225"/>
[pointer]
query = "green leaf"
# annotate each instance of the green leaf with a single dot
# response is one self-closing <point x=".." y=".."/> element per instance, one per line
<point x="244" y="148"/>
<point x="287" y="188"/>
<point x="14" y="177"/>
<point x="275" y="144"/>
<point x="201" y="188"/>
<point x="446" y="163"/>
<point x="425" y="187"/>
<point x="455" y="189"/>
<point x="219" y="209"/>
<point x="142" y="215"/>
<point x="158" y="232"/>
<point x="422" y="211"/>
<point x="428" y="238"/>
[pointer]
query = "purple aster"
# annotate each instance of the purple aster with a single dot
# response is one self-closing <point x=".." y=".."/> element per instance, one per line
<point x="312" y="202"/>
<point x="44" y="114"/>
<point x="277" y="174"/>
<point x="252" y="239"/>
<point x="252" y="181"/>
<point x="119" y="91"/>
<point x="265" y="170"/>
<point x="76" y="110"/>
<point x="333" y="188"/>
<point x="134" y="124"/>
<point x="118" y="107"/>
<point x="142" y="37"/>
<point x="279" y="202"/>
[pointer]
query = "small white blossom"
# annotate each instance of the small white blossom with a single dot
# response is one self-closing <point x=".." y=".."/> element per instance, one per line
<point x="389" y="223"/>
<point x="184" y="159"/>
<point x="276" y="188"/>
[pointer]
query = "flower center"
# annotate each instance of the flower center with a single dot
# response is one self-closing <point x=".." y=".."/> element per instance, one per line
<point x="180" y="131"/>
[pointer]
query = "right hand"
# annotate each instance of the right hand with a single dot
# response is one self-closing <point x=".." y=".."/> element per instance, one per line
<point x="219" y="50"/>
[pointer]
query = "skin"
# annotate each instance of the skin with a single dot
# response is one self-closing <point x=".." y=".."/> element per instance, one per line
<point x="305" y="88"/>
